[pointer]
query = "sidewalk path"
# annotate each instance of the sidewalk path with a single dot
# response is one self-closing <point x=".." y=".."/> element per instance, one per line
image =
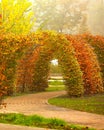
<point x="16" y="127"/>
<point x="37" y="104"/>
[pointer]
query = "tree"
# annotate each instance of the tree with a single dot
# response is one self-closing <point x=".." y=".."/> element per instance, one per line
<point x="60" y="15"/>
<point x="83" y="26"/>
<point x="96" y="17"/>
<point x="16" y="16"/>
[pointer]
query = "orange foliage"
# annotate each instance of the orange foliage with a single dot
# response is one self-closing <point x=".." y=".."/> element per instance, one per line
<point x="30" y="56"/>
<point x="89" y="65"/>
<point x="25" y="71"/>
<point x="97" y="42"/>
<point x="12" y="47"/>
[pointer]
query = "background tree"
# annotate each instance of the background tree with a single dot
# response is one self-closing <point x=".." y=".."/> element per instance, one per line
<point x="83" y="26"/>
<point x="96" y="17"/>
<point x="60" y="15"/>
<point x="16" y="16"/>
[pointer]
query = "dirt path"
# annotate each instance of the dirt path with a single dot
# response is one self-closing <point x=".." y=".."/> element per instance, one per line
<point x="37" y="104"/>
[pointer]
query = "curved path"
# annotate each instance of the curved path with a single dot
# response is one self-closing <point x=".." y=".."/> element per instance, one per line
<point x="37" y="104"/>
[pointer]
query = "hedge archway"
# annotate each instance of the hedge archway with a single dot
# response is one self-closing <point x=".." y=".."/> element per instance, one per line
<point x="57" y="46"/>
<point x="14" y="49"/>
<point x="74" y="57"/>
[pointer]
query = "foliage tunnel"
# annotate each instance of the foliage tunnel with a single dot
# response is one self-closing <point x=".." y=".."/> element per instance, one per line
<point x="77" y="59"/>
<point x="25" y="59"/>
<point x="57" y="46"/>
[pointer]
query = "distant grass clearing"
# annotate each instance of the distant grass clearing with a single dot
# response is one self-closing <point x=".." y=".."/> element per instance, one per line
<point x="55" y="85"/>
<point x="55" y="88"/>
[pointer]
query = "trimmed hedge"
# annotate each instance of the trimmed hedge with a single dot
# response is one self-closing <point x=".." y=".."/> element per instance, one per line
<point x="25" y="62"/>
<point x="89" y="65"/>
<point x="97" y="42"/>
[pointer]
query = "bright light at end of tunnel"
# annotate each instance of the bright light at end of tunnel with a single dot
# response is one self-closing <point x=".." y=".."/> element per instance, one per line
<point x="54" y="62"/>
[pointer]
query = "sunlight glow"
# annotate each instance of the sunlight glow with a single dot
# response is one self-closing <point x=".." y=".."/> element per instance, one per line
<point x="54" y="62"/>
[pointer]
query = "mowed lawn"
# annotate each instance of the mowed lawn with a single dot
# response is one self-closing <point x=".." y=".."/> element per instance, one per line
<point x="55" y="85"/>
<point x="93" y="104"/>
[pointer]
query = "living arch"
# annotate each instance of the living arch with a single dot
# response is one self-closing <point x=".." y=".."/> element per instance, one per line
<point x="52" y="45"/>
<point x="58" y="47"/>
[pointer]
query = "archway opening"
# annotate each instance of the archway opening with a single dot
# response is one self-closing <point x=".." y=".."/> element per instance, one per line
<point x="55" y="79"/>
<point x="55" y="70"/>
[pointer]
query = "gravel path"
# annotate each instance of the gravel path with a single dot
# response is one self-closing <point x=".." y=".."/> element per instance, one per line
<point x="37" y="104"/>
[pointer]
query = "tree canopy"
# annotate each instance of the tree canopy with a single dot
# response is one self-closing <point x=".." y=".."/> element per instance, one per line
<point x="16" y="16"/>
<point x="96" y="17"/>
<point x="64" y="16"/>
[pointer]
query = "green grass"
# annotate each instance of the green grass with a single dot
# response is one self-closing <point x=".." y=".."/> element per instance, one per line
<point x="55" y="88"/>
<point x="93" y="104"/>
<point x="55" y="85"/>
<point x="56" y="82"/>
<point x="38" y="121"/>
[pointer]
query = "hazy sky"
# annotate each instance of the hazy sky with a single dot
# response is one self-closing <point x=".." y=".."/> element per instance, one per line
<point x="31" y="0"/>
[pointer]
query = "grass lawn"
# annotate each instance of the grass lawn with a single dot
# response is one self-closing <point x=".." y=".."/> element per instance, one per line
<point x="55" y="85"/>
<point x="39" y="121"/>
<point x="93" y="104"/>
<point x="55" y="88"/>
